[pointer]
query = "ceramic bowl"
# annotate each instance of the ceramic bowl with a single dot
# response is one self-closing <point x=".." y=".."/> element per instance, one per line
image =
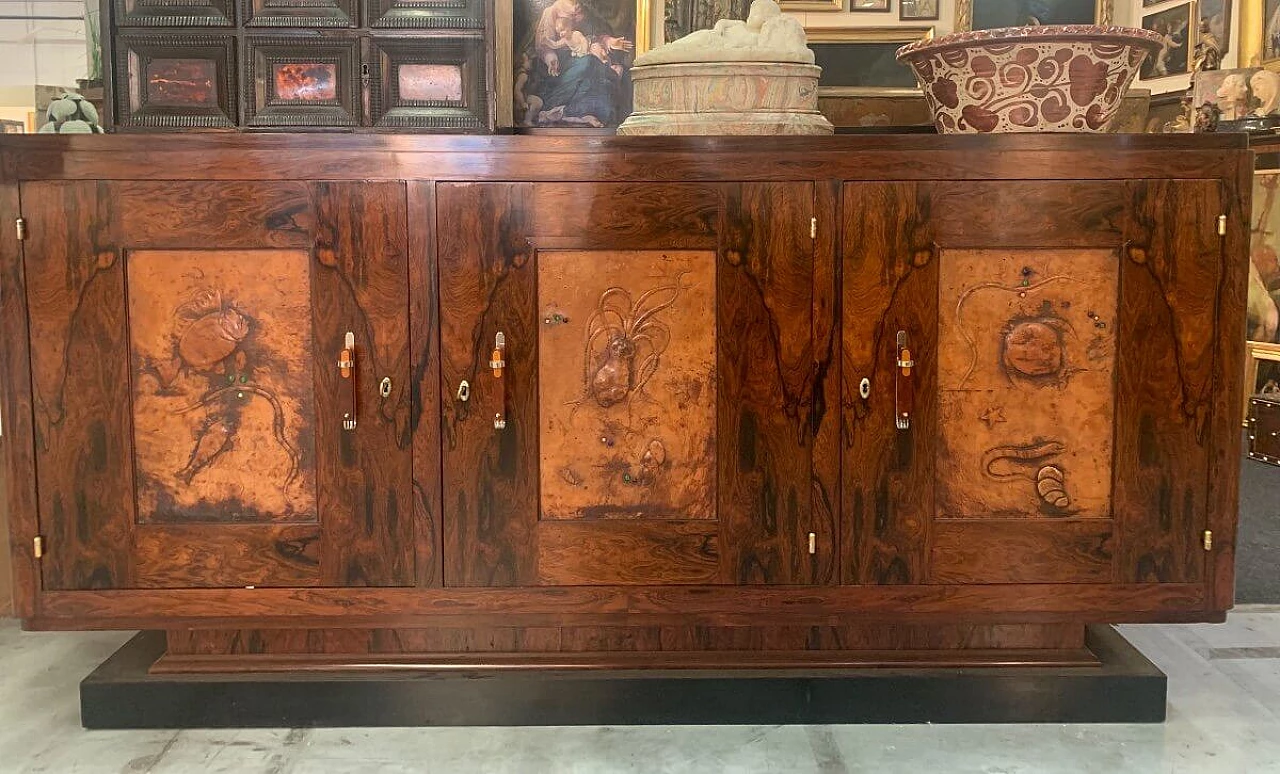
<point x="1067" y="78"/>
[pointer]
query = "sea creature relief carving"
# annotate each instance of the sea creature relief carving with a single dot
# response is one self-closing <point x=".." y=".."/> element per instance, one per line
<point x="1026" y="378"/>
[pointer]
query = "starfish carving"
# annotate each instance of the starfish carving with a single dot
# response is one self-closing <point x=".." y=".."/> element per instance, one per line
<point x="992" y="416"/>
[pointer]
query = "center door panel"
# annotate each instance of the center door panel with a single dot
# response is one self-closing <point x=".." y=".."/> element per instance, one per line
<point x="655" y="414"/>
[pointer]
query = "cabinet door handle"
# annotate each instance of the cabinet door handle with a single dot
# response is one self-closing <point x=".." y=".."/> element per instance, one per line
<point x="347" y="383"/>
<point x="902" y="389"/>
<point x="499" y="366"/>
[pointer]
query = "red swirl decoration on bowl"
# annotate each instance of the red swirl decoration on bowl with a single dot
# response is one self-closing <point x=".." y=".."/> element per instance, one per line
<point x="1029" y="79"/>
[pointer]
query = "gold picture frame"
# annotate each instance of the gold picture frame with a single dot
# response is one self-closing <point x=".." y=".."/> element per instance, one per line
<point x="811" y="5"/>
<point x="1254" y="352"/>
<point x="823" y="37"/>
<point x="1253" y="32"/>
<point x="1104" y="11"/>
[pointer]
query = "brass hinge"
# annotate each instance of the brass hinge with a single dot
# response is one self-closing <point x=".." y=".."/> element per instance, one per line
<point x="37" y="546"/>
<point x="21" y="226"/>
<point x="1208" y="540"/>
<point x="1222" y="225"/>
<point x="813" y="228"/>
<point x="813" y="543"/>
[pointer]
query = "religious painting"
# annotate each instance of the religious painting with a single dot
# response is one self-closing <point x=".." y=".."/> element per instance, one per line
<point x="305" y="81"/>
<point x="181" y="82"/>
<point x="918" y="10"/>
<point x="993" y="14"/>
<point x="1263" y="318"/>
<point x="1270" y="30"/>
<point x="573" y="60"/>
<point x="1177" y="32"/>
<point x="220" y="353"/>
<point x="861" y="61"/>
<point x="1026" y="377"/>
<point x="627" y="384"/>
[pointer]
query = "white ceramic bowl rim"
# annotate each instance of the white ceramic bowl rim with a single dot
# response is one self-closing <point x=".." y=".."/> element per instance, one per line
<point x="1048" y="32"/>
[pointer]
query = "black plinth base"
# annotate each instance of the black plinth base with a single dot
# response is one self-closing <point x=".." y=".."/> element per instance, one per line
<point x="1126" y="688"/>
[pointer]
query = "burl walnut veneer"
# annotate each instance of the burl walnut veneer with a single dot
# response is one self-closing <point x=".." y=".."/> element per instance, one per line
<point x="323" y="401"/>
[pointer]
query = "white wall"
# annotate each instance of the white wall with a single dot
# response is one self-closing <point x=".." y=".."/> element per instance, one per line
<point x="38" y="51"/>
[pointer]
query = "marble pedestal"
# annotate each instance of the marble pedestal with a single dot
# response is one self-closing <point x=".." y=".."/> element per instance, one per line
<point x="726" y="98"/>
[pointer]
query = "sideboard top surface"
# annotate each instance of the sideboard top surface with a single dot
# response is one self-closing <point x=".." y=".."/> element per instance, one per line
<point x="229" y="156"/>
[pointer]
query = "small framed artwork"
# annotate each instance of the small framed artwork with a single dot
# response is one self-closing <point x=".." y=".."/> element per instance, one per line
<point x="812" y="5"/>
<point x="861" y="61"/>
<point x="1176" y="27"/>
<point x="572" y="62"/>
<point x="300" y="13"/>
<point x="869" y="6"/>
<point x="176" y="81"/>
<point x="1217" y="13"/>
<point x="9" y="126"/>
<point x="171" y="13"/>
<point x="1262" y="373"/>
<point x="426" y="14"/>
<point x="918" y="10"/>
<point x="429" y="83"/>
<point x="302" y="82"/>
<point x="993" y="14"/>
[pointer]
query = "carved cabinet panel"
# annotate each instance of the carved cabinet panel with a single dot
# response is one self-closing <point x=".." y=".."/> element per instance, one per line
<point x="189" y="410"/>
<point x="1056" y="357"/>
<point x="650" y="416"/>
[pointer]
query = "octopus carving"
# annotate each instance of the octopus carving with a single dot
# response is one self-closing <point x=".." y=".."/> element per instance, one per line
<point x="630" y="433"/>
<point x="625" y="341"/>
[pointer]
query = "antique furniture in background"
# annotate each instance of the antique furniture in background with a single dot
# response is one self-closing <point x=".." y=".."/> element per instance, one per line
<point x="376" y="65"/>
<point x="334" y="402"/>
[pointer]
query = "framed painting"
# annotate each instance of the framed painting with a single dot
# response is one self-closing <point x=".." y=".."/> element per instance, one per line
<point x="428" y="83"/>
<point x="1176" y="26"/>
<point x="861" y="61"/>
<point x="918" y="10"/>
<point x="176" y="81"/>
<point x="572" y="61"/>
<point x="9" y="126"/>
<point x="302" y="82"/>
<point x="869" y="6"/>
<point x="1217" y="14"/>
<point x="813" y="5"/>
<point x="993" y="14"/>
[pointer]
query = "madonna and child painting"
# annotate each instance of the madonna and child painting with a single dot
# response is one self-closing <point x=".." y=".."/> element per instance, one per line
<point x="572" y="62"/>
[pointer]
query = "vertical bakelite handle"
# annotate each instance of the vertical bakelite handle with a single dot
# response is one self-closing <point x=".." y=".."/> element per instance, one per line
<point x="347" y="382"/>
<point x="903" y="394"/>
<point x="498" y="364"/>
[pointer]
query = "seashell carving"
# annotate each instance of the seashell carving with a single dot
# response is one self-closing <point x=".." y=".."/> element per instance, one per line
<point x="1051" y="486"/>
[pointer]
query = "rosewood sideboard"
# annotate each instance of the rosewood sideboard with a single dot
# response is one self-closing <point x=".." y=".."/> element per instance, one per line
<point x="330" y="401"/>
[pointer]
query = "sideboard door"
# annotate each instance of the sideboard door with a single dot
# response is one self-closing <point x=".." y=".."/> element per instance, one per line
<point x="1051" y="424"/>
<point x="657" y="404"/>
<point x="189" y="405"/>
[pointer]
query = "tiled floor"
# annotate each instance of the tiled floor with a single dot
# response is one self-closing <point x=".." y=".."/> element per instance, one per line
<point x="1224" y="716"/>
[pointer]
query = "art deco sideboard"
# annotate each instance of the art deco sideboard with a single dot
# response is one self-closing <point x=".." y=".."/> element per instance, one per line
<point x="332" y="400"/>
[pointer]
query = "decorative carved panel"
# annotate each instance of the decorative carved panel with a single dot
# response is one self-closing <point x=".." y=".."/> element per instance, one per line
<point x="1026" y="373"/>
<point x="426" y="14"/>
<point x="168" y="13"/>
<point x="308" y="82"/>
<point x="176" y="81"/>
<point x="627" y="384"/>
<point x="223" y="398"/>
<point x="428" y="83"/>
<point x="300" y="13"/>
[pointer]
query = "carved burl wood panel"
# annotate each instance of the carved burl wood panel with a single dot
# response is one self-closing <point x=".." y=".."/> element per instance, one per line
<point x="221" y="363"/>
<point x="1026" y="380"/>
<point x="626" y="384"/>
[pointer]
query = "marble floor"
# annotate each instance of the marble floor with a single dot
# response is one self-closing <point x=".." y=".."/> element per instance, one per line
<point x="1224" y="716"/>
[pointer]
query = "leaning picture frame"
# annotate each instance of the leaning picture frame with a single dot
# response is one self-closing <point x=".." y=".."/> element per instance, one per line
<point x="1257" y="379"/>
<point x="861" y="61"/>
<point x="992" y="14"/>
<point x="580" y="80"/>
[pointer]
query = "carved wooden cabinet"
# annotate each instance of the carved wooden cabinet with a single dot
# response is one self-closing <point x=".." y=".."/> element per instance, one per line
<point x="643" y="401"/>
